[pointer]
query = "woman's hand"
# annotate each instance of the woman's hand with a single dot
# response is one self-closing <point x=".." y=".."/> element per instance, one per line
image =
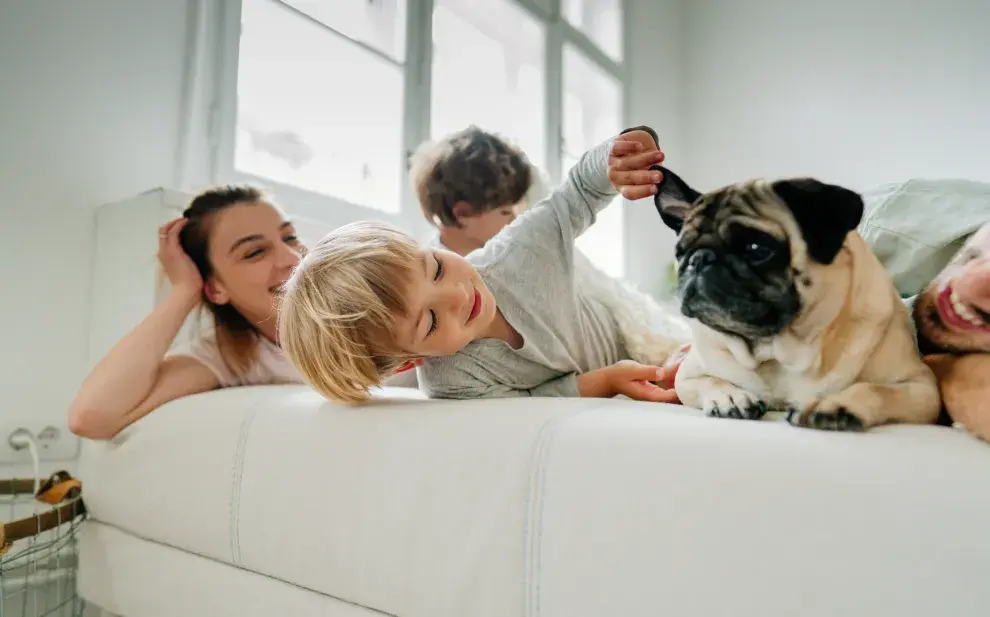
<point x="182" y="273"/>
<point x="135" y="377"/>
<point x="629" y="163"/>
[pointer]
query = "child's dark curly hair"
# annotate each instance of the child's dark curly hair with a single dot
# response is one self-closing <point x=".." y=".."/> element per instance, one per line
<point x="470" y="165"/>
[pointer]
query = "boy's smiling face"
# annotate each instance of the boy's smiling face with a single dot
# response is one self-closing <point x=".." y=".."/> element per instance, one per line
<point x="447" y="306"/>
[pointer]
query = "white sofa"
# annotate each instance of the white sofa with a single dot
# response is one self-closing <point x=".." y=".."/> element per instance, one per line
<point x="269" y="501"/>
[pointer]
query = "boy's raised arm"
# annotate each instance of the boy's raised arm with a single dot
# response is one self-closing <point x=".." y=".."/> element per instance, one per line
<point x="549" y="229"/>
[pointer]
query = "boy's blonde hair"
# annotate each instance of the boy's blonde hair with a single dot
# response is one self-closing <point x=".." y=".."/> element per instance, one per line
<point x="337" y="311"/>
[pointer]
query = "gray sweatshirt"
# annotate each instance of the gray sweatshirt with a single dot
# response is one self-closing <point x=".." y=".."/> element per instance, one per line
<point x="529" y="268"/>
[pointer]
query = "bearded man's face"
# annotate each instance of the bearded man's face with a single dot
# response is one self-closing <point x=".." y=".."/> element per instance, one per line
<point x="953" y="313"/>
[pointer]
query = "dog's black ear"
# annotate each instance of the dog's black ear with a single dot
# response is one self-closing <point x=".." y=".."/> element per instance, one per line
<point x="826" y="213"/>
<point x="643" y="127"/>
<point x="673" y="198"/>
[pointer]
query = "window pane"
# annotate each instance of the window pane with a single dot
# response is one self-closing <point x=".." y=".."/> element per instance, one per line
<point x="316" y="111"/>
<point x="592" y="114"/>
<point x="378" y="23"/>
<point x="600" y="20"/>
<point x="488" y="70"/>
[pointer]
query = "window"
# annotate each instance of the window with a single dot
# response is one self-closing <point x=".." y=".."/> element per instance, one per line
<point x="600" y="20"/>
<point x="488" y="70"/>
<point x="316" y="111"/>
<point x="378" y="23"/>
<point x="327" y="98"/>
<point x="592" y="113"/>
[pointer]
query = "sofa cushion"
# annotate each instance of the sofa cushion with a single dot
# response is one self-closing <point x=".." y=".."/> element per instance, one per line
<point x="372" y="504"/>
<point x="664" y="514"/>
<point x="554" y="507"/>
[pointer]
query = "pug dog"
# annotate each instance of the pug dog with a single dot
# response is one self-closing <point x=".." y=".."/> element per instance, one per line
<point x="789" y="308"/>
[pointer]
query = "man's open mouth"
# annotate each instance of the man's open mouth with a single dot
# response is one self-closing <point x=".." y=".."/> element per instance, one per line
<point x="954" y="313"/>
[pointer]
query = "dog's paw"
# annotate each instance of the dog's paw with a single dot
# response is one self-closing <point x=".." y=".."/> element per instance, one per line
<point x="728" y="401"/>
<point x="826" y="415"/>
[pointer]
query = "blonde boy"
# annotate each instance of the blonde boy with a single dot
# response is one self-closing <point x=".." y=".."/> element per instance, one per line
<point x="507" y="320"/>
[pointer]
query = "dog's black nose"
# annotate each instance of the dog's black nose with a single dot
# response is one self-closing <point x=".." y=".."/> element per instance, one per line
<point x="701" y="258"/>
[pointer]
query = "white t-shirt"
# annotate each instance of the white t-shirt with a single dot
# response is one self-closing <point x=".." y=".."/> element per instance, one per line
<point x="272" y="367"/>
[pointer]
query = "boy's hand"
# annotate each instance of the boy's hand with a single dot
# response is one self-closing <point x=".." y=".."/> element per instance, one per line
<point x="629" y="163"/>
<point x="631" y="379"/>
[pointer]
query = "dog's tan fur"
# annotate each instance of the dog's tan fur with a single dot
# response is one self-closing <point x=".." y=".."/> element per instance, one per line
<point x="851" y="349"/>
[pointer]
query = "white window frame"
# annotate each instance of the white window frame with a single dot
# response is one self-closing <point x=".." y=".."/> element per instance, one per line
<point x="222" y="112"/>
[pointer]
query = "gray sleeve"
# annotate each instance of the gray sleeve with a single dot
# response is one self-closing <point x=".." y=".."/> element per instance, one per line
<point x="531" y="261"/>
<point x="461" y="385"/>
<point x="563" y="386"/>
<point x="546" y="232"/>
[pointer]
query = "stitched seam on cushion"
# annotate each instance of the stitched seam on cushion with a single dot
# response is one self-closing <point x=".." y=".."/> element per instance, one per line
<point x="917" y="242"/>
<point x="533" y="531"/>
<point x="901" y="189"/>
<point x="243" y="569"/>
<point x="235" y="493"/>
<point x="901" y="235"/>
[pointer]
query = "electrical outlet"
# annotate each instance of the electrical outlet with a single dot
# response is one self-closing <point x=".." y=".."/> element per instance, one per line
<point x="55" y="443"/>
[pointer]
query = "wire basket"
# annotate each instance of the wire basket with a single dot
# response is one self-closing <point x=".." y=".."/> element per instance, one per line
<point x="38" y="561"/>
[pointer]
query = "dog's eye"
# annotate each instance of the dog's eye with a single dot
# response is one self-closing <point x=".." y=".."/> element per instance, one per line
<point x="758" y="253"/>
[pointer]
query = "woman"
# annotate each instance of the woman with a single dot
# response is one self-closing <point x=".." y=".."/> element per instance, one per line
<point x="231" y="250"/>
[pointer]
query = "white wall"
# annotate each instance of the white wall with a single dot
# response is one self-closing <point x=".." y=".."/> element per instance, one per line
<point x="655" y="47"/>
<point x="855" y="92"/>
<point x="89" y="113"/>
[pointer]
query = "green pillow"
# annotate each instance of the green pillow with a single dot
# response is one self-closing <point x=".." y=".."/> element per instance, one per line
<point x="915" y="227"/>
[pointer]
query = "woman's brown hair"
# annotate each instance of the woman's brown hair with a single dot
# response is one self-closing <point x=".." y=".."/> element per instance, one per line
<point x="237" y="339"/>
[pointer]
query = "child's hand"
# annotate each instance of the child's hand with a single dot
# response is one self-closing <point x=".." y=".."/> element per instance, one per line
<point x="629" y="163"/>
<point x="630" y="378"/>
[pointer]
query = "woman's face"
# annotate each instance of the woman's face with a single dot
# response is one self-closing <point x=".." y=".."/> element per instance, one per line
<point x="253" y="249"/>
